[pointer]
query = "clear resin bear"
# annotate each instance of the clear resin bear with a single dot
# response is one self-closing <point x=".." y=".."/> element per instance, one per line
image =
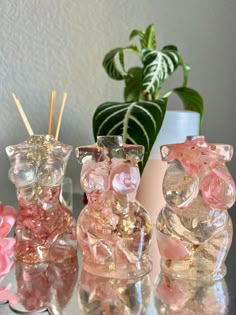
<point x="113" y="230"/>
<point x="45" y="229"/>
<point x="194" y="230"/>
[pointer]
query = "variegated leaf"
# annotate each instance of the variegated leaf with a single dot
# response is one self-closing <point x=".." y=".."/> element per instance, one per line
<point x="157" y="67"/>
<point x="137" y="122"/>
<point x="113" y="62"/>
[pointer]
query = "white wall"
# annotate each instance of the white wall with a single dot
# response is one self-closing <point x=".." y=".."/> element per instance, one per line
<point x="60" y="44"/>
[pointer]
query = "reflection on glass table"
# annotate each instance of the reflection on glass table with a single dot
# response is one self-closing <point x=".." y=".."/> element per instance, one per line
<point x="61" y="289"/>
<point x="187" y="297"/>
<point x="99" y="295"/>
<point x="66" y="289"/>
<point x="41" y="287"/>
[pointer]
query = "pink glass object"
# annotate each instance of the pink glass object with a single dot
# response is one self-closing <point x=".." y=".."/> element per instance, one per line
<point x="6" y="295"/>
<point x="7" y="220"/>
<point x="188" y="297"/>
<point x="194" y="230"/>
<point x="45" y="229"/>
<point x="113" y="230"/>
<point x="98" y="295"/>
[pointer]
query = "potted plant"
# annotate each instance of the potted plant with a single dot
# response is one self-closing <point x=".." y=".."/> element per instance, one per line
<point x="140" y="117"/>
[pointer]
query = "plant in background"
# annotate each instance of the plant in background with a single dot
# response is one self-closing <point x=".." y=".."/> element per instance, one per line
<point x="139" y="118"/>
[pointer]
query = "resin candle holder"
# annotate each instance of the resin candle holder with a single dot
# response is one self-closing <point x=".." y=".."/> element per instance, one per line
<point x="113" y="230"/>
<point x="45" y="229"/>
<point x="194" y="230"/>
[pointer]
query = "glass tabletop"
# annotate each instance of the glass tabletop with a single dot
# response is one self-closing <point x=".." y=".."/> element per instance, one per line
<point x="66" y="288"/>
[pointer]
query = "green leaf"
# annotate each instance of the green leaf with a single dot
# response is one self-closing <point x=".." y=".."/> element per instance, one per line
<point x="170" y="48"/>
<point x="147" y="38"/>
<point x="122" y="60"/>
<point x="192" y="100"/>
<point x="158" y="65"/>
<point x="137" y="122"/>
<point x="113" y="62"/>
<point x="186" y="69"/>
<point x="136" y="33"/>
<point x="133" y="85"/>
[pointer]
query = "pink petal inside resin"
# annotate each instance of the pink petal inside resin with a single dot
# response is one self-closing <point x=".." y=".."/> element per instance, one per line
<point x="172" y="248"/>
<point x="125" y="178"/>
<point x="172" y="292"/>
<point x="218" y="189"/>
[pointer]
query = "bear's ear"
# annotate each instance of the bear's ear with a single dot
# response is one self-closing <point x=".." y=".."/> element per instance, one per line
<point x="224" y="150"/>
<point x="165" y="151"/>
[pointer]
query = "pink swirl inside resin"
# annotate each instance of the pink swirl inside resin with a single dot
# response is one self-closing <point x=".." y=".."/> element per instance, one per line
<point x="113" y="230"/>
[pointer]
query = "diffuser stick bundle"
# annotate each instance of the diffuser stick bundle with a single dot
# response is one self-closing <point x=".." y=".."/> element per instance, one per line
<point x="51" y="114"/>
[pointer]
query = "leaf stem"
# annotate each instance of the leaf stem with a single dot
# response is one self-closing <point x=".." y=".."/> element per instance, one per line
<point x="157" y="93"/>
<point x="147" y="96"/>
<point x="185" y="82"/>
<point x="186" y="70"/>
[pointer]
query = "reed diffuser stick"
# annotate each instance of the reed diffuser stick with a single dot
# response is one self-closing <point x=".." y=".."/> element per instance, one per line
<point x="51" y="112"/>
<point x="23" y="115"/>
<point x="63" y="101"/>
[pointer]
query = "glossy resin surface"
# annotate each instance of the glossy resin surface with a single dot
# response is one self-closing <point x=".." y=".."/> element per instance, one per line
<point x="114" y="231"/>
<point x="45" y="229"/>
<point x="194" y="230"/>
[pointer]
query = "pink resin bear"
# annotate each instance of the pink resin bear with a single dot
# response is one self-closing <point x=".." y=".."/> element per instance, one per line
<point x="45" y="229"/>
<point x="194" y="230"/>
<point x="113" y="230"/>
